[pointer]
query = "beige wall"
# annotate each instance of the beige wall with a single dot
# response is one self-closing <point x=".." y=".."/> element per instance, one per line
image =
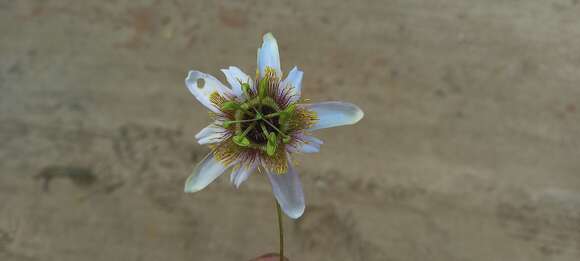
<point x="469" y="149"/>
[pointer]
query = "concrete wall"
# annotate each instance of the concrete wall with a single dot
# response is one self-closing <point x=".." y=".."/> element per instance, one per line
<point x="469" y="149"/>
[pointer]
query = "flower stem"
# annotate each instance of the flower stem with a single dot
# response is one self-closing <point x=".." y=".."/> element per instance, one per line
<point x="280" y="229"/>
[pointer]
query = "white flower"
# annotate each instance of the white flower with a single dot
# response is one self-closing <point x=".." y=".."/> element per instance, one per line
<point x="259" y="123"/>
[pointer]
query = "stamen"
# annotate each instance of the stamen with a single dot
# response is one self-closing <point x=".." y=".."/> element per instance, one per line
<point x="286" y="139"/>
<point x="272" y="144"/>
<point x="230" y="106"/>
<point x="241" y="139"/>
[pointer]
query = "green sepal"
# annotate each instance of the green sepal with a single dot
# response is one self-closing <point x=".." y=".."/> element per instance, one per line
<point x="272" y="144"/>
<point x="227" y="124"/>
<point x="241" y="141"/>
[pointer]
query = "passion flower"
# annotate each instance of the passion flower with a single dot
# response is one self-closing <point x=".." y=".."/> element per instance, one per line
<point x="258" y="123"/>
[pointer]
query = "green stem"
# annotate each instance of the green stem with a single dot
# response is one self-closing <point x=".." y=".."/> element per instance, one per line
<point x="280" y="229"/>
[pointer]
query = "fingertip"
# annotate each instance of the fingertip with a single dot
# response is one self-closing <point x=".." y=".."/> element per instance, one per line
<point x="269" y="257"/>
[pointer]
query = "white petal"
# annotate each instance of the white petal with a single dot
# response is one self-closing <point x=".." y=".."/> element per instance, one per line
<point x="211" y="134"/>
<point x="268" y="55"/>
<point x="204" y="173"/>
<point x="234" y="76"/>
<point x="309" y="144"/>
<point x="333" y="114"/>
<point x="288" y="192"/>
<point x="208" y="85"/>
<point x="242" y="173"/>
<point x="294" y="79"/>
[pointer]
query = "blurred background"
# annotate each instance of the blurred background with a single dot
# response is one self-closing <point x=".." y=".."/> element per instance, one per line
<point x="469" y="149"/>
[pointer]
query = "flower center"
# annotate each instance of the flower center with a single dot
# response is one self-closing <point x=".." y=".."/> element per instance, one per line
<point x="261" y="124"/>
<point x="264" y="120"/>
<point x="257" y="135"/>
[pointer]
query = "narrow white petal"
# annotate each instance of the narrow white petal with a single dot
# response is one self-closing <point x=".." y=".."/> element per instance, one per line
<point x="268" y="55"/>
<point x="333" y="114"/>
<point x="312" y="140"/>
<point x="307" y="144"/>
<point x="309" y="148"/>
<point x="203" y="85"/>
<point x="311" y="144"/>
<point x="211" y="134"/>
<point x="288" y="192"/>
<point x="204" y="173"/>
<point x="294" y="80"/>
<point x="234" y="76"/>
<point x="242" y="173"/>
